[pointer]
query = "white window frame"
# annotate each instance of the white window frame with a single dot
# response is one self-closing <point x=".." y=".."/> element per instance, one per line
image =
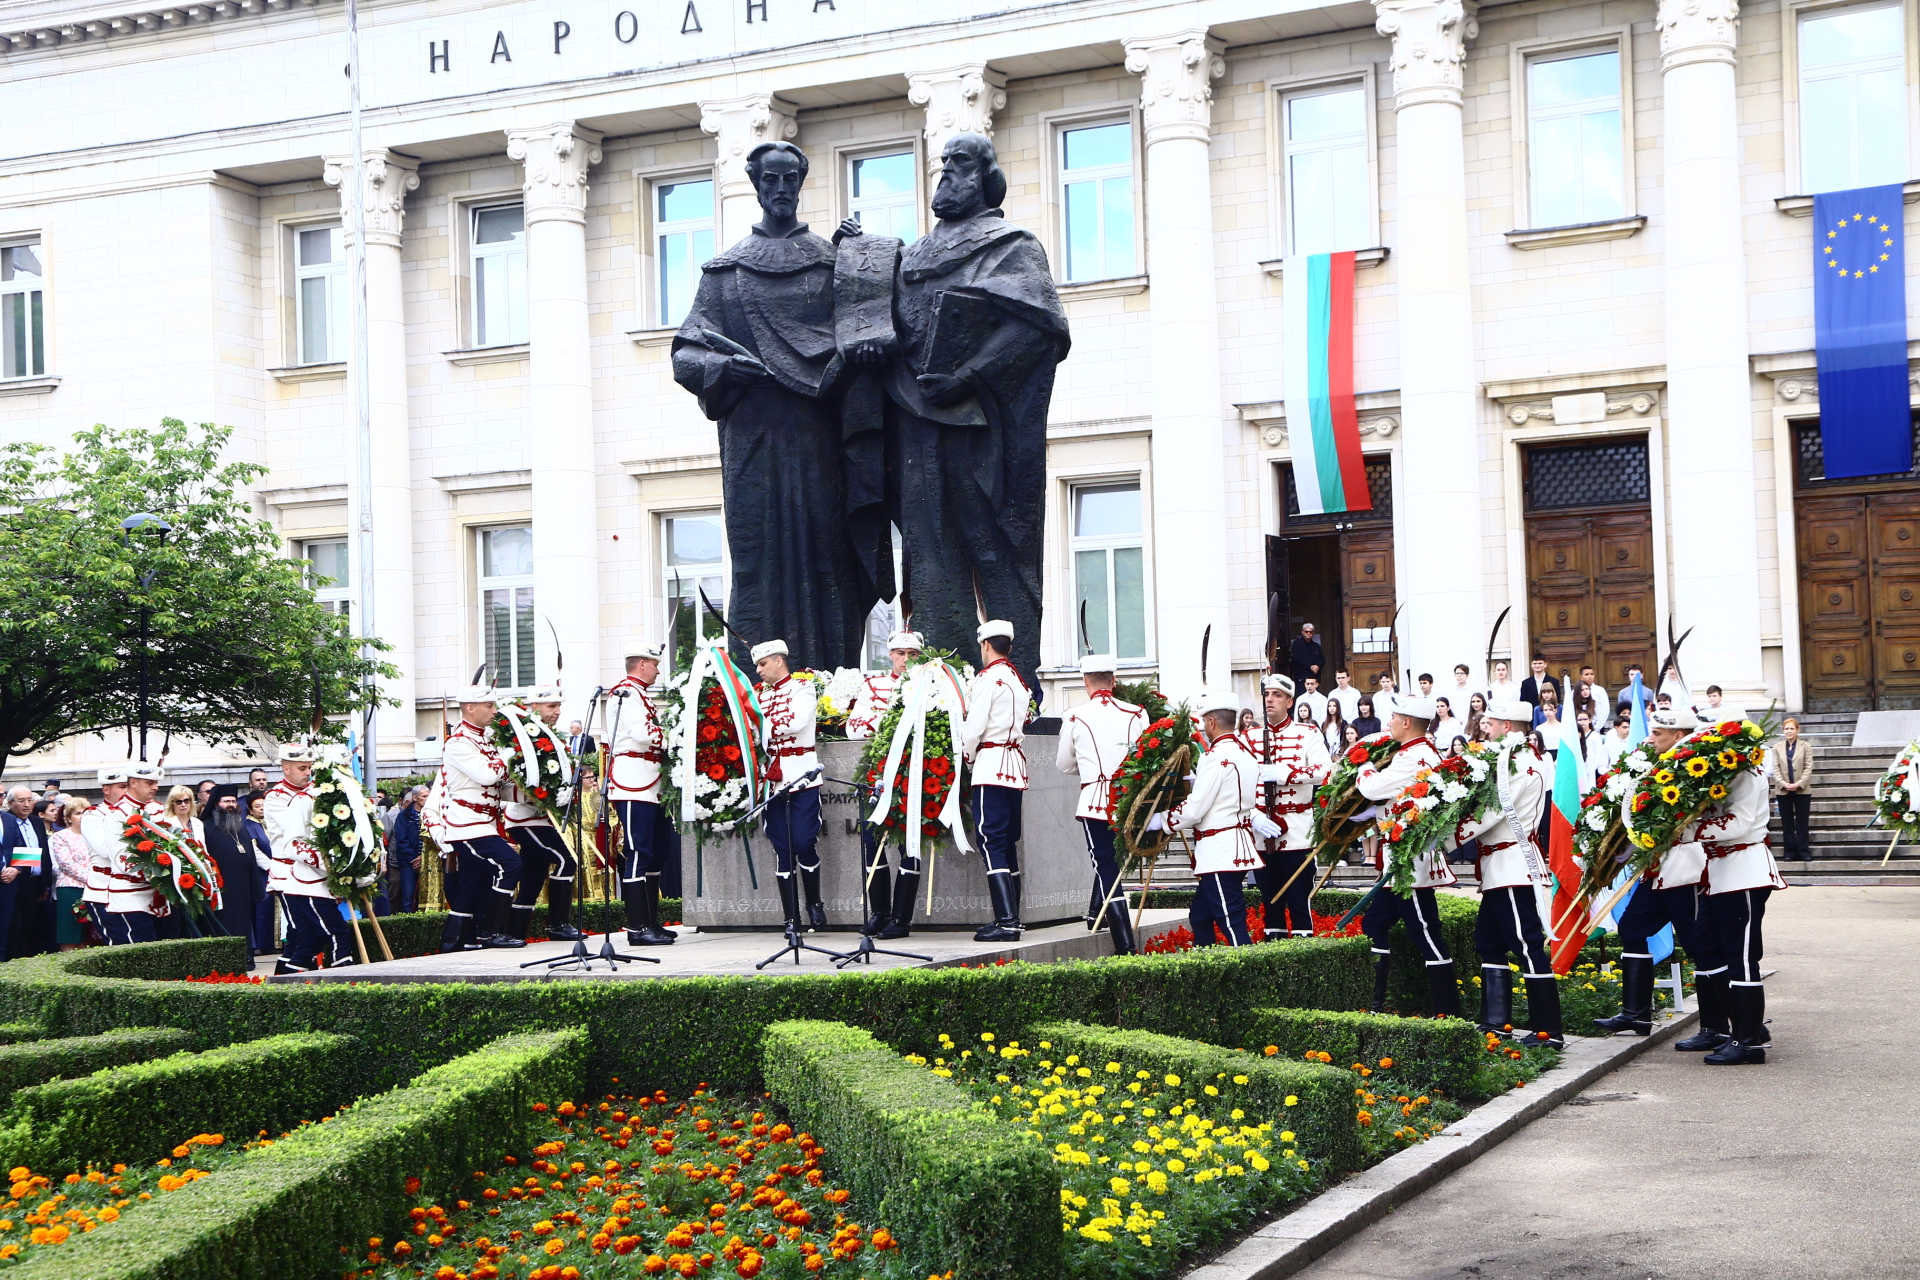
<point x="845" y="157"/>
<point x="482" y="584"/>
<point x="707" y="626"/>
<point x="336" y="272"/>
<point x="337" y="598"/>
<point x="1617" y="40"/>
<point x="8" y="292"/>
<point x="1054" y="126"/>
<point x="1075" y="544"/>
<point x="1280" y="180"/>
<point x="650" y="184"/>
<point x="475" y="251"/>
<point x="1791" y="15"/>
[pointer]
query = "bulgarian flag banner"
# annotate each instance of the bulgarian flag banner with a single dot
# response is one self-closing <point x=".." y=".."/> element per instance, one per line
<point x="1317" y="312"/>
<point x="1563" y="810"/>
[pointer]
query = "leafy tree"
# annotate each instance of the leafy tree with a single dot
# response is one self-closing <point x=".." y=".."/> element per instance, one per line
<point x="238" y="644"/>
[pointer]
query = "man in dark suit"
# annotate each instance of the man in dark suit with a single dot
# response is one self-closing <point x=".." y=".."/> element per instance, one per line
<point x="579" y="741"/>
<point x="23" y="851"/>
<point x="1530" y="687"/>
<point x="1305" y="657"/>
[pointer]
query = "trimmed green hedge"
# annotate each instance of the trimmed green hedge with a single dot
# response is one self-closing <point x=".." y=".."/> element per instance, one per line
<point x="21" y="1032"/>
<point x="417" y="933"/>
<point x="137" y="1113"/>
<point x="1323" y="1117"/>
<point x="673" y="1033"/>
<point x="159" y="961"/>
<point x="39" y="1061"/>
<point x="965" y="1192"/>
<point x="1438" y="1053"/>
<point x="278" y="1211"/>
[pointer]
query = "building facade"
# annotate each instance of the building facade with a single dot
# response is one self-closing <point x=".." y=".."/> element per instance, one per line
<point x="1583" y="311"/>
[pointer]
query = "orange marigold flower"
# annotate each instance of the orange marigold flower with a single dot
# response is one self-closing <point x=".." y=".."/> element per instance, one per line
<point x="654" y="1264"/>
<point x="413" y="1186"/>
<point x="554" y="1247"/>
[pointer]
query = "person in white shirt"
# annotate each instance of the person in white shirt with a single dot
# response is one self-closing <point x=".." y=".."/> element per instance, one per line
<point x="1598" y="691"/>
<point x="316" y="933"/>
<point x="991" y="738"/>
<point x="1446" y="725"/>
<point x="100" y="827"/>
<point x="889" y="903"/>
<point x="1462" y="687"/>
<point x="465" y="814"/>
<point x="134" y="907"/>
<point x="1345" y="694"/>
<point x="1095" y="739"/>
<point x="1293" y="761"/>
<point x="792" y="817"/>
<point x="1589" y="751"/>
<point x="636" y="753"/>
<point x="1502" y="689"/>
<point x="877" y="688"/>
<point x="545" y="859"/>
<point x="1614" y="743"/>
<point x="1218" y="811"/>
<point x="1311" y="699"/>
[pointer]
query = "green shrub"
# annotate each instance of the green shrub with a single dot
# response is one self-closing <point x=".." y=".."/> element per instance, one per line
<point x="39" y="1061"/>
<point x="1428" y="1053"/>
<point x="962" y="1190"/>
<point x="21" y="1032"/>
<point x="137" y="1113"/>
<point x="282" y="1209"/>
<point x="417" y="933"/>
<point x="1323" y="1117"/>
<point x="160" y="961"/>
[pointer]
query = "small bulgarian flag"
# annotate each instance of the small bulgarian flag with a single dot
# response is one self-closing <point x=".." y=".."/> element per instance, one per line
<point x="1317" y="311"/>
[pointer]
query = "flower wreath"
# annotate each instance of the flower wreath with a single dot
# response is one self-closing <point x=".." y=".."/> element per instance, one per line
<point x="176" y="865"/>
<point x="911" y="766"/>
<point x="710" y="718"/>
<point x="1896" y="795"/>
<point x="1425" y="816"/>
<point x="537" y="759"/>
<point x="1151" y="779"/>
<point x="343" y="827"/>
<point x="1339" y="810"/>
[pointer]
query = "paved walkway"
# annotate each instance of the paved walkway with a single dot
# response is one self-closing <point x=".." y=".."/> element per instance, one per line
<point x="1806" y="1167"/>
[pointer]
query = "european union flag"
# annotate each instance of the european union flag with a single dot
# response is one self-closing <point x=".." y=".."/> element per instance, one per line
<point x="1860" y="332"/>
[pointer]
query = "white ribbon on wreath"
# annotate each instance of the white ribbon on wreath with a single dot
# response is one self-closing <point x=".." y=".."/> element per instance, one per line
<point x="341" y="775"/>
<point x="529" y="759"/>
<point x="931" y="686"/>
<point x="709" y="661"/>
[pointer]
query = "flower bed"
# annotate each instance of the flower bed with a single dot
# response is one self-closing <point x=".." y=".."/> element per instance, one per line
<point x="43" y="1212"/>
<point x="1181" y="938"/>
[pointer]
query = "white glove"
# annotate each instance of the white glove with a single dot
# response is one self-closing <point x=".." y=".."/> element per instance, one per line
<point x="1158" y="822"/>
<point x="1189" y="778"/>
<point x="1266" y="828"/>
<point x="1271" y="773"/>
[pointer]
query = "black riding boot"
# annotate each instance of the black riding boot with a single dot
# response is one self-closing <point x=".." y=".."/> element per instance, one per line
<point x="790" y="902"/>
<point x="816" y="912"/>
<point x="494" y="931"/>
<point x="560" y="926"/>
<point x="901" y="920"/>
<point x="654" y="934"/>
<point x="1543" y="1013"/>
<point x="1382" y="970"/>
<point x="1496" y="999"/>
<point x="1120" y="925"/>
<point x="1710" y="994"/>
<point x="1636" y="999"/>
<point x="1443" y="990"/>
<point x="879" y="900"/>
<point x="1005" y="926"/>
<point x="450" y="934"/>
<point x="633" y="897"/>
<point x="1747" y="1007"/>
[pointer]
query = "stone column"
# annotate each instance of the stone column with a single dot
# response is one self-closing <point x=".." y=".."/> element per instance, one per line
<point x="388" y="179"/>
<point x="1189" y="439"/>
<point x="560" y="446"/>
<point x="958" y="100"/>
<point x="1439" y="577"/>
<point x="740" y="125"/>
<point x="1715" y="551"/>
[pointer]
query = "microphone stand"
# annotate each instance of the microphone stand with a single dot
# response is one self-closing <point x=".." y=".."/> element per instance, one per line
<point x="865" y="952"/>
<point x="794" y="945"/>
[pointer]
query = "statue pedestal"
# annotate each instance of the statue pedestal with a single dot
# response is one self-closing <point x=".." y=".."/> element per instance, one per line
<point x="1057" y="878"/>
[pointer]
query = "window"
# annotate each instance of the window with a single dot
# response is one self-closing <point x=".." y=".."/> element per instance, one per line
<point x="1575" y="169"/>
<point x="1853" y="114"/>
<point x="881" y="195"/>
<point x="23" y="306"/>
<point x="1096" y="195"/>
<point x="499" y="276"/>
<point x="327" y="574"/>
<point x="1109" y="568"/>
<point x="506" y="603"/>
<point x="683" y="239"/>
<point x="694" y="558"/>
<point x="320" y="275"/>
<point x="1328" y="202"/>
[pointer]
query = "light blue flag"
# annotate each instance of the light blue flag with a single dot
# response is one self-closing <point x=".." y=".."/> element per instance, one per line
<point x="1660" y="945"/>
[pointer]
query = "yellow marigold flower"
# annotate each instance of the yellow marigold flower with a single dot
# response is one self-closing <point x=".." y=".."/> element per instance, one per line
<point x="1292" y="1101"/>
<point x="987" y="1036"/>
<point x="1286" y="1135"/>
<point x="1173" y="1079"/>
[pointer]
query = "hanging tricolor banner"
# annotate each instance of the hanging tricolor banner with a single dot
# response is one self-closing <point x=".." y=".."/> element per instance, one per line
<point x="1317" y="312"/>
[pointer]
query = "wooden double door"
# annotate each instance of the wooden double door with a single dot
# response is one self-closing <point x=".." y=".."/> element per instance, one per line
<point x="1590" y="591"/>
<point x="1342" y="581"/>
<point x="1859" y="563"/>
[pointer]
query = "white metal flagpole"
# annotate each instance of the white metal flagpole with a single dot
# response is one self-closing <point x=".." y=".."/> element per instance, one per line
<point x="362" y="394"/>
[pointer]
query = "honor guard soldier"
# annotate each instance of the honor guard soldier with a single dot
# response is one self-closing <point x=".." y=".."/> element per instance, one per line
<point x="545" y="858"/>
<point x="134" y="907"/>
<point x="990" y="737"/>
<point x="315" y="929"/>
<point x="1410" y="718"/>
<point x="636" y="748"/>
<point x="470" y="825"/>
<point x="792" y="816"/>
<point x="1513" y="870"/>
<point x="1293" y="761"/>
<point x="100" y="827"/>
<point x="1094" y="741"/>
<point x="1218" y="811"/>
<point x="889" y="902"/>
<point x="878" y="687"/>
<point x="1669" y="894"/>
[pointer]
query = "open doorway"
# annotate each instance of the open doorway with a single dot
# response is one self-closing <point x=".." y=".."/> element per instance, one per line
<point x="1336" y="571"/>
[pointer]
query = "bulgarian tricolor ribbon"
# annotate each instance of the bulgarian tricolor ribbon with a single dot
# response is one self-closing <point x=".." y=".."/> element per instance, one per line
<point x="712" y="661"/>
<point x="1317" y="349"/>
<point x="929" y="687"/>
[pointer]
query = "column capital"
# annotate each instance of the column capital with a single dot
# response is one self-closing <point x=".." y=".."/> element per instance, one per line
<point x="389" y="177"/>
<point x="741" y="124"/>
<point x="958" y="100"/>
<point x="1429" y="44"/>
<point x="1696" y="31"/>
<point x="557" y="157"/>
<point x="1176" y="73"/>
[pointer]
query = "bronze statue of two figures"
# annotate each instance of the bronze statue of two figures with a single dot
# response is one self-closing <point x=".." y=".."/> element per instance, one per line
<point x="858" y="385"/>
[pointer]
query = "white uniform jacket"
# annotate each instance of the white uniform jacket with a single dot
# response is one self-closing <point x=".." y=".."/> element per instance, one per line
<point x="100" y="827"/>
<point x="520" y="810"/>
<point x="994" y="728"/>
<point x="792" y="709"/>
<point x="1094" y="742"/>
<point x="1733" y="835"/>
<point x="1225" y="788"/>
<point x="471" y="782"/>
<point x="127" y="889"/>
<point x="635" y="752"/>
<point x="298" y="868"/>
<point x="1430" y="871"/>
<point x="1509" y="857"/>
<point x="1299" y="752"/>
<point x="871" y="703"/>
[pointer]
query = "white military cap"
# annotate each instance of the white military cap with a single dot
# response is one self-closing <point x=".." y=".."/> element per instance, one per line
<point x="546" y="693"/>
<point x="1517" y="711"/>
<point x="991" y="630"/>
<point x="478" y="693"/>
<point x="1674" y="718"/>
<point x="768" y="648"/>
<point x="906" y="640"/>
<point x="111" y="773"/>
<point x="1276" y="681"/>
<point x="1416" y="707"/>
<point x="643" y="649"/>
<point x="295" y="752"/>
<point x="1212" y="700"/>
<point x="1098" y="664"/>
<point x="151" y="772"/>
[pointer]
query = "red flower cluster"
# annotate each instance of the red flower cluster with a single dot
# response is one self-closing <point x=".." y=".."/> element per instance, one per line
<point x="936" y="780"/>
<point x="226" y="977"/>
<point x="718" y="755"/>
<point x="1181" y="939"/>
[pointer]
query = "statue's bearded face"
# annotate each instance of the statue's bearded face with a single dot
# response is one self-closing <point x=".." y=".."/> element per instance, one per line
<point x="958" y="194"/>
<point x="777" y="178"/>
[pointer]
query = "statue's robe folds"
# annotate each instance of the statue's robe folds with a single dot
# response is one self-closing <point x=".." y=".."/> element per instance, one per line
<point x="796" y="574"/>
<point x="970" y="481"/>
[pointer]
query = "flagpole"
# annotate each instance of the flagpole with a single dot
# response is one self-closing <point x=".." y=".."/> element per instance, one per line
<point x="362" y="393"/>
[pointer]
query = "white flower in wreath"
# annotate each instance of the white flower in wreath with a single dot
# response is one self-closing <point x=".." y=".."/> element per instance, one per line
<point x="342" y="812"/>
<point x="553" y="766"/>
<point x="319" y="821"/>
<point x="1597" y="819"/>
<point x="1477" y="767"/>
<point x="1452" y="791"/>
<point x="1426" y="803"/>
<point x="350" y="837"/>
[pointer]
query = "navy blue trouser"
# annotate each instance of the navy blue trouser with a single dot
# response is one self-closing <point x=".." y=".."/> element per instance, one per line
<point x="1293" y="913"/>
<point x="792" y="823"/>
<point x="1218" y="900"/>
<point x="996" y="817"/>
<point x="1650" y="910"/>
<point x="1729" y="928"/>
<point x="543" y="855"/>
<point x="640" y="853"/>
<point x="482" y="889"/>
<point x="1509" y="925"/>
<point x="123" y="927"/>
<point x="1421" y="916"/>
<point x="1106" y="872"/>
<point x="315" y="928"/>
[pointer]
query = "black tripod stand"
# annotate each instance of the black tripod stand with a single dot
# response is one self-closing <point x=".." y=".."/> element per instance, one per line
<point x="580" y="957"/>
<point x="790" y="902"/>
<point x="866" y="951"/>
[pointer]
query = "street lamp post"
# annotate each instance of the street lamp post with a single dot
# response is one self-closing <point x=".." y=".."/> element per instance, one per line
<point x="143" y="523"/>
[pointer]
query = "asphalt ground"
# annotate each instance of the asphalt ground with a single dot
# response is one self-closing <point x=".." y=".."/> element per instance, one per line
<point x="1667" y="1169"/>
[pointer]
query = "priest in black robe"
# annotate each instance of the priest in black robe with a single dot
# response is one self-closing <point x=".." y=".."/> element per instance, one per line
<point x="758" y="349"/>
